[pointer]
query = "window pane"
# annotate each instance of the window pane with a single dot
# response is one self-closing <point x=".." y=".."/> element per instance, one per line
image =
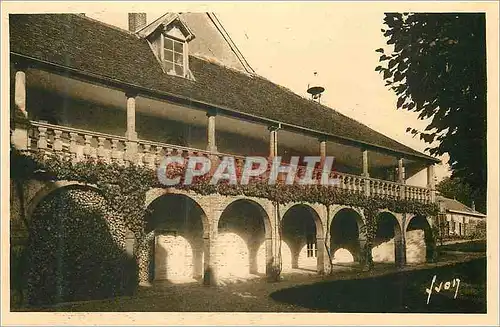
<point x="168" y="55"/>
<point x="168" y="44"/>
<point x="168" y="66"/>
<point x="179" y="70"/>
<point x="178" y="59"/>
<point x="178" y="47"/>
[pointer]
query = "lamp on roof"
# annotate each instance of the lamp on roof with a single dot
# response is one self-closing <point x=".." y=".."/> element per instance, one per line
<point x="315" y="89"/>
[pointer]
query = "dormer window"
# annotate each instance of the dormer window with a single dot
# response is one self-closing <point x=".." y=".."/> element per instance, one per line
<point x="168" y="37"/>
<point x="174" y="60"/>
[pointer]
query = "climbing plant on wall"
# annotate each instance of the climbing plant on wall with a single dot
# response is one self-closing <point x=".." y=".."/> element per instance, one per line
<point x="76" y="249"/>
<point x="124" y="187"/>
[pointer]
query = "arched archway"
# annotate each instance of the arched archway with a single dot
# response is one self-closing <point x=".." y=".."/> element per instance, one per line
<point x="302" y="231"/>
<point x="176" y="252"/>
<point x="346" y="235"/>
<point x="77" y="248"/>
<point x="387" y="246"/>
<point x="243" y="230"/>
<point x="420" y="243"/>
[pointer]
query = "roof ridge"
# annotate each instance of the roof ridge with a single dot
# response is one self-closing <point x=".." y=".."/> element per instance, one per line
<point x="232" y="45"/>
<point x="102" y="23"/>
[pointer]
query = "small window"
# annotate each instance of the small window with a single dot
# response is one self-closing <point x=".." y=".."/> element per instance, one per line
<point x="312" y="250"/>
<point x="173" y="56"/>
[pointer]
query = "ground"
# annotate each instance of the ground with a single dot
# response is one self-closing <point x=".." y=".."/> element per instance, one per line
<point x="384" y="289"/>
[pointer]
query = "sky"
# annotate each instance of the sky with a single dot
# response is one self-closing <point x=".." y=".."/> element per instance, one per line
<point x="290" y="42"/>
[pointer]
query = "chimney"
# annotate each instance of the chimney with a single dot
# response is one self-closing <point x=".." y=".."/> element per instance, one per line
<point x="136" y="21"/>
<point x="473" y="206"/>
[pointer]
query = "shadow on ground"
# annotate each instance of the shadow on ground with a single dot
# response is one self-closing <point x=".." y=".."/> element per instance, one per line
<point x="396" y="293"/>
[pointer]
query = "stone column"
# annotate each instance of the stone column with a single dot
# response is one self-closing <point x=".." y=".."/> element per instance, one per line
<point x="20" y="90"/>
<point x="270" y="259"/>
<point x="431" y="182"/>
<point x="366" y="173"/>
<point x="253" y="249"/>
<point x="401" y="175"/>
<point x="322" y="149"/>
<point x="273" y="141"/>
<point x="19" y="135"/>
<point x="210" y="262"/>
<point x="401" y="178"/>
<point x="403" y="240"/>
<point x="131" y="134"/>
<point x="210" y="276"/>
<point x="365" y="164"/>
<point x="325" y="244"/>
<point x="399" y="247"/>
<point x="320" y="246"/>
<point x="211" y="143"/>
<point x="198" y="250"/>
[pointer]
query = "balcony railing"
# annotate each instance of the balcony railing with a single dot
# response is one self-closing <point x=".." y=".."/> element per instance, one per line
<point x="79" y="144"/>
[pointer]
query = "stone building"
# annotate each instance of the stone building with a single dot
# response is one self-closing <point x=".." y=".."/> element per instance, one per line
<point x="180" y="85"/>
<point x="458" y="219"/>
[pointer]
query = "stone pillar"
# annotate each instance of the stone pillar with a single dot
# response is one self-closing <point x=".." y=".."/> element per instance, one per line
<point x="322" y="149"/>
<point x="270" y="259"/>
<point x="273" y="141"/>
<point x="365" y="164"/>
<point x="366" y="174"/>
<point x="131" y="134"/>
<point x="198" y="250"/>
<point x="19" y="135"/>
<point x="431" y="184"/>
<point x="253" y="249"/>
<point x="403" y="241"/>
<point x="401" y="178"/>
<point x="20" y="90"/>
<point x="320" y="246"/>
<point x="399" y="247"/>
<point x="401" y="175"/>
<point x="211" y="143"/>
<point x="210" y="255"/>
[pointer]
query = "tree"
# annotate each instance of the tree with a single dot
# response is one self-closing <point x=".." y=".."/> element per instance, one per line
<point x="437" y="68"/>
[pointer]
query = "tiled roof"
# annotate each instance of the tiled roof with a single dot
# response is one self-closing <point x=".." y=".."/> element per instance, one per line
<point x="96" y="48"/>
<point x="452" y="204"/>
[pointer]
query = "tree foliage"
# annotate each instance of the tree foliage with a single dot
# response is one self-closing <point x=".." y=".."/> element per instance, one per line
<point x="456" y="188"/>
<point x="437" y="68"/>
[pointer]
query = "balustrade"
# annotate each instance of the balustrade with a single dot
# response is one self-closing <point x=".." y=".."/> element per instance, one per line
<point x="78" y="144"/>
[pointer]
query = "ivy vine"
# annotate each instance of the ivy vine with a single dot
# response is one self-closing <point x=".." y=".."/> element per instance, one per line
<point x="125" y="187"/>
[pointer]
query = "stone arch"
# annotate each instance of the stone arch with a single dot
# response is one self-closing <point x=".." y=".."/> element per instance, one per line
<point x="174" y="246"/>
<point x="304" y="236"/>
<point x="347" y="232"/>
<point x="419" y="239"/>
<point x="388" y="245"/>
<point x="244" y="235"/>
<point x="53" y="186"/>
<point x="81" y="244"/>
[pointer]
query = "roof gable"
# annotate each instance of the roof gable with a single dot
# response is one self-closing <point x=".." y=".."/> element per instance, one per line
<point x="172" y="24"/>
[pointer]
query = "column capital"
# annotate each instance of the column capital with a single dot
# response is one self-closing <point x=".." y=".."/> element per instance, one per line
<point x="274" y="127"/>
<point x="20" y="64"/>
<point x="323" y="138"/>
<point x="131" y="93"/>
<point x="212" y="112"/>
